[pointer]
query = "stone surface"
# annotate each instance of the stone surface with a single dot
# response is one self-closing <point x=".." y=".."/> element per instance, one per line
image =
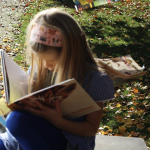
<point x="104" y="142"/>
<point x="2" y="124"/>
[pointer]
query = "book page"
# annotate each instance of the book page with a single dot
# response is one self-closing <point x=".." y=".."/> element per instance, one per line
<point x="78" y="103"/>
<point x="124" y="64"/>
<point x="3" y="107"/>
<point x="74" y="100"/>
<point x="122" y="69"/>
<point x="18" y="79"/>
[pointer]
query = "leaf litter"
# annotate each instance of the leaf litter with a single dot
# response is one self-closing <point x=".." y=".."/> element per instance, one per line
<point x="112" y="30"/>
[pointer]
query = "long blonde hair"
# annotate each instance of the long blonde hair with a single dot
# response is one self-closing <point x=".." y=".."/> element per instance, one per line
<point x="75" y="56"/>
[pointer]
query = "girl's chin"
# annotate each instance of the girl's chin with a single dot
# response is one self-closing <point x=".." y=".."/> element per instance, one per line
<point x="50" y="69"/>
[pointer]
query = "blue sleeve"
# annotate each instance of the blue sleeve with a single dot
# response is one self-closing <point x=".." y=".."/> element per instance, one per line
<point x="101" y="87"/>
<point x="29" y="71"/>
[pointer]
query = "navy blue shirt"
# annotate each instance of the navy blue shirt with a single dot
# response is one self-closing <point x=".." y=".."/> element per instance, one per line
<point x="100" y="88"/>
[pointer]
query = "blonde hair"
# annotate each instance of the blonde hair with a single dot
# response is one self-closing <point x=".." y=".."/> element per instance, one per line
<point x="75" y="57"/>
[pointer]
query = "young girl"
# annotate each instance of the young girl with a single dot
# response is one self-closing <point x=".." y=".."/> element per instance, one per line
<point x="59" y="51"/>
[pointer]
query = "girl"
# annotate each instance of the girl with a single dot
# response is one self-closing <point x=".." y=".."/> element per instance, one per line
<point x="59" y="51"/>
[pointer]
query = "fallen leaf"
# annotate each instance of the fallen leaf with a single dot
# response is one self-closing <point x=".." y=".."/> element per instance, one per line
<point x="122" y="130"/>
<point x="136" y="90"/>
<point x="134" y="134"/>
<point x="117" y="134"/>
<point x="118" y="105"/>
<point x="1" y="78"/>
<point x="104" y="132"/>
<point x="5" y="40"/>
<point x="148" y="129"/>
<point x="140" y="126"/>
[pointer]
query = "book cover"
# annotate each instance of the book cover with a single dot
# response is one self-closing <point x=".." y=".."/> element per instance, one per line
<point x="15" y="79"/>
<point x="86" y="4"/>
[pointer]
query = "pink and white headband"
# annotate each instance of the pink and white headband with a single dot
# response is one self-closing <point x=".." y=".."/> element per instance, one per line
<point x="45" y="35"/>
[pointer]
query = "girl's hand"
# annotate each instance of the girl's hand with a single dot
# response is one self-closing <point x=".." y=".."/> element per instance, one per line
<point x="53" y="115"/>
<point x="4" y="95"/>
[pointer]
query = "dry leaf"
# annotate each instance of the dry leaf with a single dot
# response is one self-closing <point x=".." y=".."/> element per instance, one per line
<point x="136" y="90"/>
<point x="140" y="126"/>
<point x="118" y="105"/>
<point x="122" y="130"/>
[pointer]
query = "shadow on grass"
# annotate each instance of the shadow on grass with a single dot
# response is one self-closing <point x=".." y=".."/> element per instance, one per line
<point x="129" y="40"/>
<point x="136" y="40"/>
<point x="68" y="3"/>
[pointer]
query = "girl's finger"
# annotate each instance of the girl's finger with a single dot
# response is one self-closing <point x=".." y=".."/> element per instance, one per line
<point x="57" y="104"/>
<point x="30" y="104"/>
<point x="34" y="111"/>
<point x="39" y="105"/>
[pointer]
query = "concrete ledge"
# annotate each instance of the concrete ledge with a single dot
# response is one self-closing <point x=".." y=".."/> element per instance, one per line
<point x="104" y="142"/>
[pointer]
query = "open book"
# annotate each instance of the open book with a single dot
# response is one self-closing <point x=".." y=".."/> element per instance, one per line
<point x="86" y="4"/>
<point x="122" y="69"/>
<point x="74" y="99"/>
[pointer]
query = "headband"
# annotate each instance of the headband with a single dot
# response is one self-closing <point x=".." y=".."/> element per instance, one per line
<point x="45" y="35"/>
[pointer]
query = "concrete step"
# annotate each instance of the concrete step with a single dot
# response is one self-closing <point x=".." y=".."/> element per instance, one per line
<point x="2" y="124"/>
<point x="104" y="142"/>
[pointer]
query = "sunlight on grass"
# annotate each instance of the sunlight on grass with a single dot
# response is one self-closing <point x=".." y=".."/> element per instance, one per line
<point x="112" y="30"/>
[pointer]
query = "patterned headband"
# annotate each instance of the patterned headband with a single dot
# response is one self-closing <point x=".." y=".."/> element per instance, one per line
<point x="45" y="35"/>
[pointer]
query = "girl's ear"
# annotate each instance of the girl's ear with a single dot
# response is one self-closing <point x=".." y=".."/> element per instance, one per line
<point x="68" y="88"/>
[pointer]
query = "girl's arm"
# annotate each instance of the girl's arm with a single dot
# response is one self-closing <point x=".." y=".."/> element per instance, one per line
<point x="86" y="128"/>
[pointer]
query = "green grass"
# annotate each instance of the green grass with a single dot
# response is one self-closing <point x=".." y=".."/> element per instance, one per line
<point x="112" y="30"/>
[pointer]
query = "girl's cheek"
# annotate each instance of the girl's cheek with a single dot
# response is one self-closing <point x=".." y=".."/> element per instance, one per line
<point x="50" y="65"/>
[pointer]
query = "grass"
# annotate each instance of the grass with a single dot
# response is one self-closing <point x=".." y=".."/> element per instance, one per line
<point x="112" y="30"/>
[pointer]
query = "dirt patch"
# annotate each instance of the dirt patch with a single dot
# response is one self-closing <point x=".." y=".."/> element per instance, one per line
<point x="10" y="12"/>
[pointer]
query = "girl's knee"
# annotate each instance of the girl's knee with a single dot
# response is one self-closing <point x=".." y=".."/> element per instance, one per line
<point x="12" y="117"/>
<point x="14" y="120"/>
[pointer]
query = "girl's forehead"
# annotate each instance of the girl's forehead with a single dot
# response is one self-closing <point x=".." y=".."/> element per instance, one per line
<point x="48" y="55"/>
